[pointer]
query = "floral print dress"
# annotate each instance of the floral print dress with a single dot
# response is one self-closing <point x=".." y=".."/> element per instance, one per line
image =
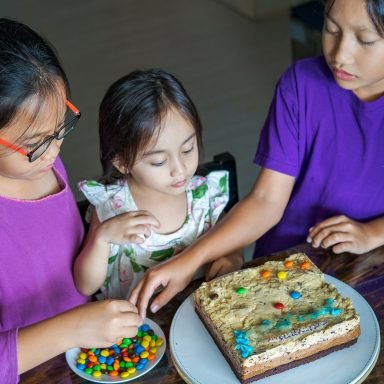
<point x="206" y="197"/>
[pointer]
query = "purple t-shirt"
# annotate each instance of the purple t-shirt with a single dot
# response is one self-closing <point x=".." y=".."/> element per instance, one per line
<point x="39" y="241"/>
<point x="331" y="142"/>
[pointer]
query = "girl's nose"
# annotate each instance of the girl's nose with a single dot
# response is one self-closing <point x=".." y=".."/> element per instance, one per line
<point x="178" y="167"/>
<point x="343" y="54"/>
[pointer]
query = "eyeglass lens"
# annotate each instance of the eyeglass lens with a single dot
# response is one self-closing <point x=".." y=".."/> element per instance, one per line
<point x="69" y="124"/>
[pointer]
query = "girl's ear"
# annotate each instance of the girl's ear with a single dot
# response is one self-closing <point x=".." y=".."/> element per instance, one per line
<point x="118" y="164"/>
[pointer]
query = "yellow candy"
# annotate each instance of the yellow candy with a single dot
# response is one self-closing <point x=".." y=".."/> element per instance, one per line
<point x="153" y="351"/>
<point x="124" y="374"/>
<point x="96" y="373"/>
<point x="81" y="361"/>
<point x="147" y="338"/>
<point x="159" y="342"/>
<point x="131" y="370"/>
<point x="103" y="366"/>
<point x="104" y="353"/>
<point x="83" y="355"/>
<point x="282" y="275"/>
<point x="144" y="354"/>
<point x="152" y="343"/>
<point x="145" y="343"/>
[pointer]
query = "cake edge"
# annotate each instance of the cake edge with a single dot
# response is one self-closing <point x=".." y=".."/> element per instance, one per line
<point x="244" y="379"/>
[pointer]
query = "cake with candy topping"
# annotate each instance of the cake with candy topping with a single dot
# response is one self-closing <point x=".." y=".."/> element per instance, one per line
<point x="276" y="316"/>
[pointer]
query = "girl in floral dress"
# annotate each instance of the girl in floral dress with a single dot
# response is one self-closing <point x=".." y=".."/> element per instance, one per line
<point x="149" y="205"/>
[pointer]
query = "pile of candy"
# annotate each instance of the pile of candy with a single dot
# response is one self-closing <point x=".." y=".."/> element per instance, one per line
<point x="122" y="359"/>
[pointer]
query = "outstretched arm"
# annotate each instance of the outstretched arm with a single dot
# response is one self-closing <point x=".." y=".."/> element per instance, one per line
<point x="246" y="222"/>
<point x="343" y="234"/>
<point x="90" y="268"/>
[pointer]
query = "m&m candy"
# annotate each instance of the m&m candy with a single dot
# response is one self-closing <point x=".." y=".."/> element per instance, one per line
<point x="122" y="359"/>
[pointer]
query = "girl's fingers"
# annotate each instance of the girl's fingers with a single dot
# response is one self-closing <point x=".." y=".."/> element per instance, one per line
<point x="212" y="271"/>
<point x="143" y="217"/>
<point x="327" y="223"/>
<point x="129" y="332"/>
<point x="126" y="306"/>
<point x="343" y="247"/>
<point x="334" y="238"/>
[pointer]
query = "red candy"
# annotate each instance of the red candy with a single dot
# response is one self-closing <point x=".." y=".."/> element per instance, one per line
<point x="279" y="306"/>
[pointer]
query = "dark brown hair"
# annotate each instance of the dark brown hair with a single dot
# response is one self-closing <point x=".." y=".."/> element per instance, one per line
<point x="131" y="113"/>
<point x="28" y="67"/>
<point x="375" y="10"/>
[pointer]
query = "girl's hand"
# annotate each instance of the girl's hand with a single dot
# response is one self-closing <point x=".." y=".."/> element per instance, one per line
<point x="341" y="234"/>
<point x="225" y="264"/>
<point x="174" y="275"/>
<point x="103" y="323"/>
<point x="129" y="227"/>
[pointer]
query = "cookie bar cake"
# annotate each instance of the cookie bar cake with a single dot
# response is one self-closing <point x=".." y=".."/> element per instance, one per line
<point x="276" y="316"/>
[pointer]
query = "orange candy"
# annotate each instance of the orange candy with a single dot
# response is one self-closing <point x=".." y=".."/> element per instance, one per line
<point x="265" y="274"/>
<point x="113" y="373"/>
<point x="288" y="264"/>
<point x="305" y="265"/>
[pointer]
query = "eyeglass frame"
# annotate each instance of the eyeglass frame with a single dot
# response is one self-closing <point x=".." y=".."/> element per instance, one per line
<point x="47" y="142"/>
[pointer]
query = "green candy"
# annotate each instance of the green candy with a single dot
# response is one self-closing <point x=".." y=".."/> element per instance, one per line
<point x="241" y="291"/>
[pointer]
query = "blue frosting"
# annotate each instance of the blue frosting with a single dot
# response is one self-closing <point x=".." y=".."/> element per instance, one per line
<point x="242" y="344"/>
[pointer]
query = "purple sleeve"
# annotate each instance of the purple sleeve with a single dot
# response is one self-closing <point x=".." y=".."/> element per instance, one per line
<point x="278" y="147"/>
<point x="8" y="357"/>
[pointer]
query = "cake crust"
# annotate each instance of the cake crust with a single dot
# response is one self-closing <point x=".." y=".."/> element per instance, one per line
<point x="280" y="337"/>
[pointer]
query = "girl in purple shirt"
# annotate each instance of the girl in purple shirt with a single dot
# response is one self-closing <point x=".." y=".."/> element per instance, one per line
<point x="321" y="153"/>
<point x="41" y="312"/>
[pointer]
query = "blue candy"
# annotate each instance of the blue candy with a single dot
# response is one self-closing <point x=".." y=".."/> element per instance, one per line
<point x="295" y="295"/>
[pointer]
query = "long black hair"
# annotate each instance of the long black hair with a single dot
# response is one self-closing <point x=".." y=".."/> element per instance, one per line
<point x="130" y="115"/>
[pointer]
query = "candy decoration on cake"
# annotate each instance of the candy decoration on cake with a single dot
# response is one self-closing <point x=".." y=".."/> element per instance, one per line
<point x="265" y="274"/>
<point x="282" y="275"/>
<point x="279" y="306"/>
<point x="241" y="291"/>
<point x="242" y="344"/>
<point x="288" y="264"/>
<point x="305" y="265"/>
<point x="295" y="295"/>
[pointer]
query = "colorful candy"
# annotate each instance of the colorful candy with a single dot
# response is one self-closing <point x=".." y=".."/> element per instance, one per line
<point x="241" y="291"/>
<point x="282" y="275"/>
<point x="288" y="264"/>
<point x="305" y="265"/>
<point x="279" y="306"/>
<point x="122" y="359"/>
<point x="295" y="295"/>
<point x="265" y="274"/>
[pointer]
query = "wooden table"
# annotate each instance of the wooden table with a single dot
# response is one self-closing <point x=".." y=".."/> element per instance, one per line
<point x="365" y="273"/>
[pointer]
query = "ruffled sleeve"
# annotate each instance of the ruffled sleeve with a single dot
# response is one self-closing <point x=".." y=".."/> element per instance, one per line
<point x="210" y="193"/>
<point x="108" y="200"/>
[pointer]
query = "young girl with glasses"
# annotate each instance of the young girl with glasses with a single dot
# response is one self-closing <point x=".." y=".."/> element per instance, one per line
<point x="321" y="153"/>
<point x="41" y="312"/>
<point x="149" y="206"/>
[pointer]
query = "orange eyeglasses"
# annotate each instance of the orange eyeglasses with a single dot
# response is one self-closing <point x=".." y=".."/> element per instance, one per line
<point x="71" y="120"/>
